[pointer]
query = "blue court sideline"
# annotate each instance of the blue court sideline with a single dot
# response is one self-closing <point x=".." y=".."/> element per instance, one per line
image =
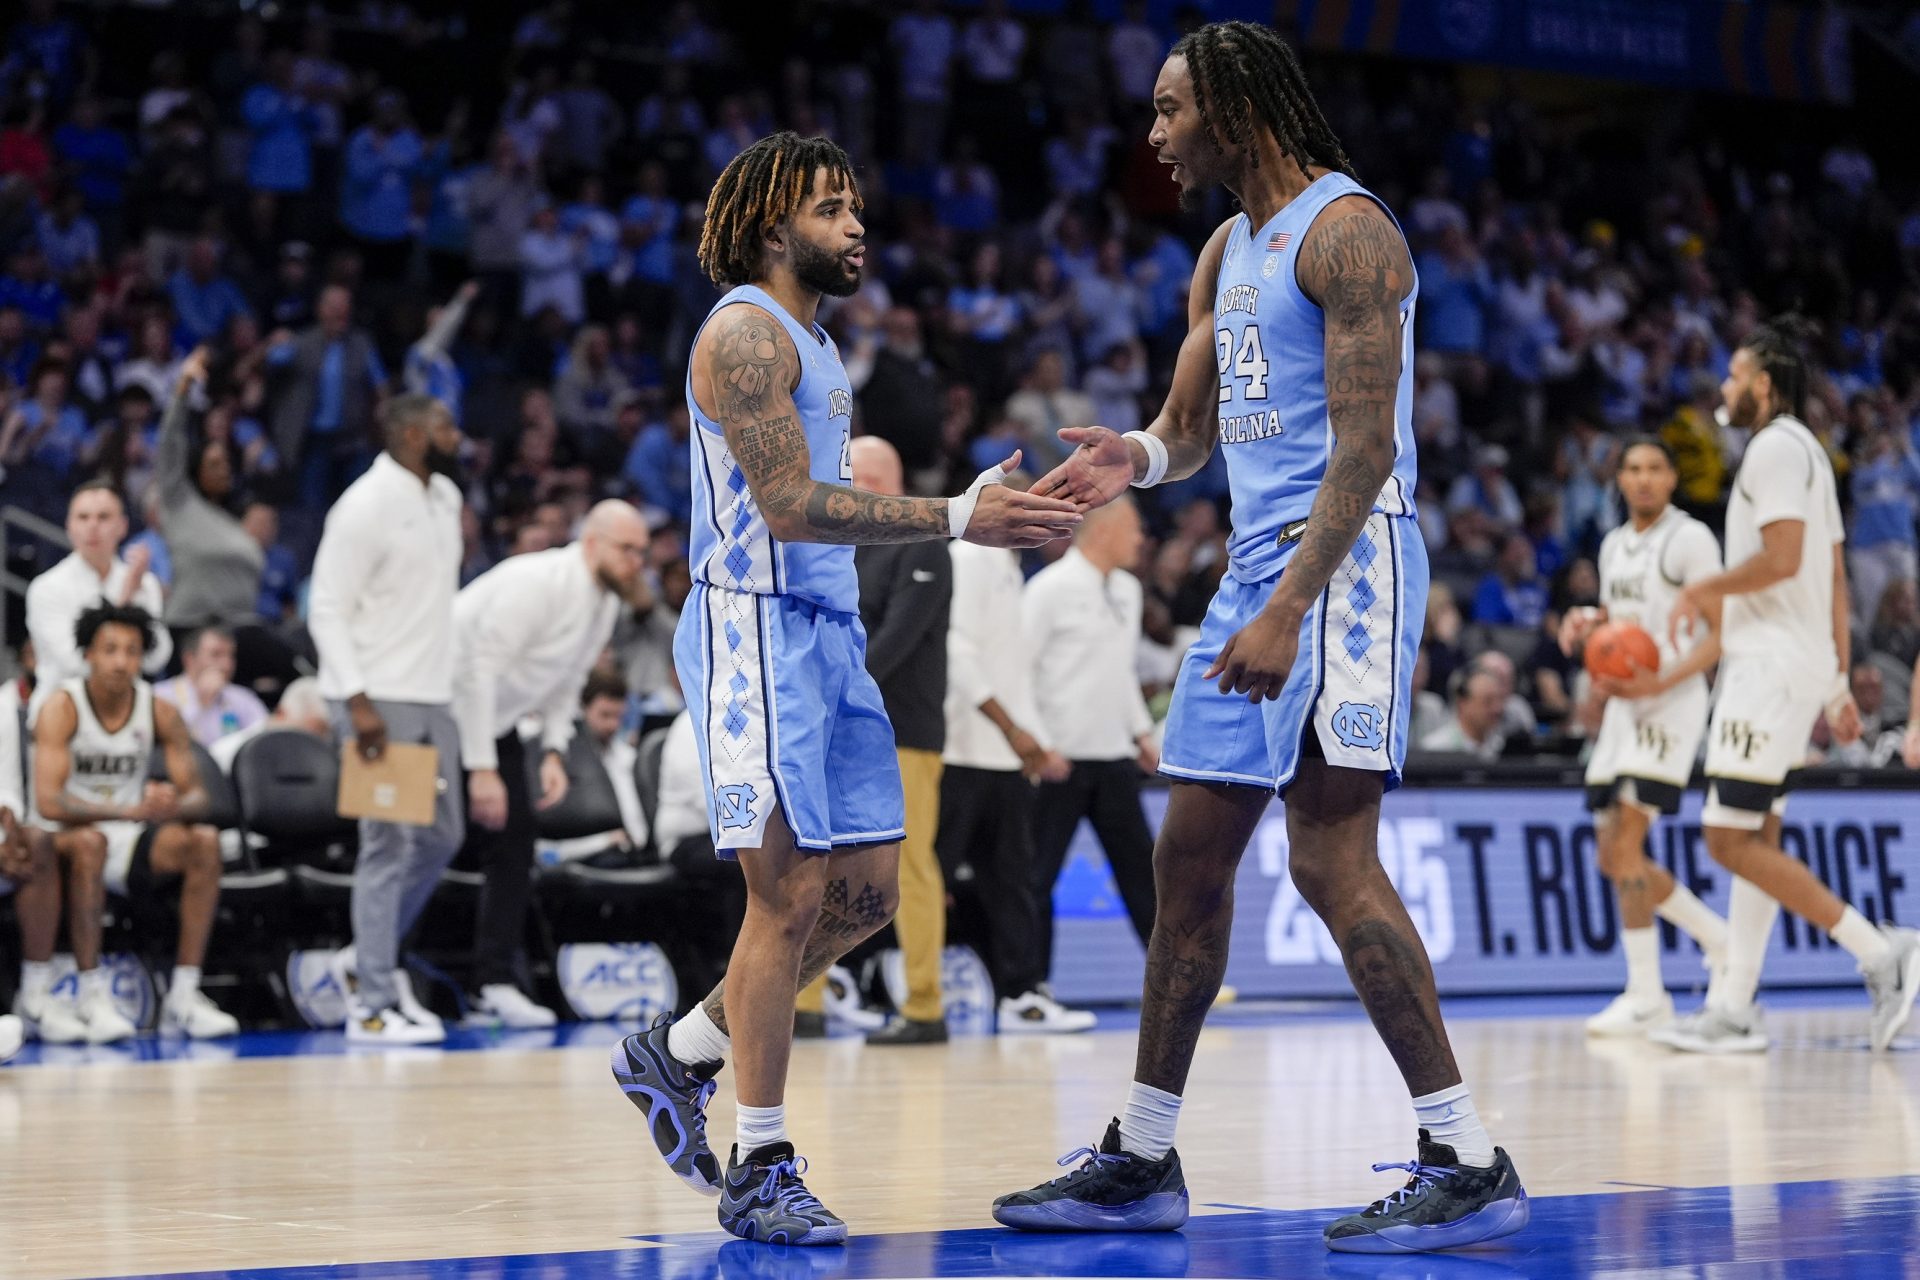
<point x="1804" y="1230"/>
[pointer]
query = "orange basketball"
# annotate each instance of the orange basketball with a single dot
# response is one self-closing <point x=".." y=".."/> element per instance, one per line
<point x="1616" y="648"/>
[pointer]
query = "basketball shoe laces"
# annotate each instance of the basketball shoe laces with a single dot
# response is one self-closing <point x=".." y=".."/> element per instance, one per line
<point x="1424" y="1178"/>
<point x="1094" y="1160"/>
<point x="784" y="1190"/>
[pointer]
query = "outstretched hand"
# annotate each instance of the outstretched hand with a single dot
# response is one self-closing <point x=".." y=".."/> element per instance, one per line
<point x="1097" y="471"/>
<point x="1004" y="517"/>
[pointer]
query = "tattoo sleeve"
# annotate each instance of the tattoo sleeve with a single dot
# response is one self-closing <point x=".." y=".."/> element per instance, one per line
<point x="751" y="368"/>
<point x="1356" y="267"/>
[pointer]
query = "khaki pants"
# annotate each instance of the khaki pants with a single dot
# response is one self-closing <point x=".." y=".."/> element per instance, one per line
<point x="921" y="923"/>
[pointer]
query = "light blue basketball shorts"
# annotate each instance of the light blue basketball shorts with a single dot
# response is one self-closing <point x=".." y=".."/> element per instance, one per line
<point x="1351" y="683"/>
<point x="785" y="714"/>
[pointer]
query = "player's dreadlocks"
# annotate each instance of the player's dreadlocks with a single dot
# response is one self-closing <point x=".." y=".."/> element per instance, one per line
<point x="1779" y="347"/>
<point x="1244" y="74"/>
<point x="765" y="185"/>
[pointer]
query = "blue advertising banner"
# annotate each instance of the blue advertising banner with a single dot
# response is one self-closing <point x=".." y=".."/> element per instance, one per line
<point x="1769" y="47"/>
<point x="1506" y="891"/>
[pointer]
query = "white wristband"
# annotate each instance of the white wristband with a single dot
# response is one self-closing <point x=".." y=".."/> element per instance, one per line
<point x="960" y="506"/>
<point x="1156" y="450"/>
<point x="1838" y="694"/>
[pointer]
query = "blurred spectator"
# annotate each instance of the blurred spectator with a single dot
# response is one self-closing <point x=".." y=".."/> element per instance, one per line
<point x="430" y="368"/>
<point x="923" y="41"/>
<point x="1513" y="593"/>
<point x="204" y="301"/>
<point x="46" y="432"/>
<point x="1135" y="51"/>
<point x="1043" y="405"/>
<point x="69" y="240"/>
<point x="658" y="464"/>
<point x="300" y="709"/>
<point x="1694" y="439"/>
<point x="1115" y="386"/>
<point x="209" y="702"/>
<point x="588" y="394"/>
<point x="280" y="574"/>
<point x="552" y="268"/>
<point x="29" y="285"/>
<point x="172" y="185"/>
<point x="603" y="705"/>
<point x="97" y="159"/>
<point x="590" y="119"/>
<point x="1482" y="506"/>
<point x="1110" y="303"/>
<point x="500" y="204"/>
<point x="384" y="159"/>
<point x="1455" y="291"/>
<point x="1516" y="713"/>
<point x="1584" y="465"/>
<point x="281" y="125"/>
<point x="1881" y="537"/>
<point x="155" y="367"/>
<point x="900" y="399"/>
<point x="52" y="50"/>
<point x="328" y="381"/>
<point x="1475" y="727"/>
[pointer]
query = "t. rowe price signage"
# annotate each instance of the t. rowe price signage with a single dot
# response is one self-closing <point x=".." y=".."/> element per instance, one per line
<point x="1505" y="888"/>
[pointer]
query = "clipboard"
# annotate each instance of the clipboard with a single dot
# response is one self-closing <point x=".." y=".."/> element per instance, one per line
<point x="401" y="786"/>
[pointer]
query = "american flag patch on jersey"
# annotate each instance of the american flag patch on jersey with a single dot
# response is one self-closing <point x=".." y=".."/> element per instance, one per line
<point x="1278" y="241"/>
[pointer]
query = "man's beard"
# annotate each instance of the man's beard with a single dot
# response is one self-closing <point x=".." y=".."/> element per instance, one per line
<point x="443" y="463"/>
<point x="1745" y="411"/>
<point x="823" y="271"/>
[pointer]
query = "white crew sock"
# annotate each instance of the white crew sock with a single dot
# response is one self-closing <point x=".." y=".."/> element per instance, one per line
<point x="36" y="979"/>
<point x="696" y="1040"/>
<point x="1448" y="1117"/>
<point x="1694" y="918"/>
<point x="757" y="1127"/>
<point x="1750" y="917"/>
<point x="186" y="981"/>
<point x="1643" y="962"/>
<point x="1146" y="1126"/>
<point x="93" y="983"/>
<point x="1868" y="945"/>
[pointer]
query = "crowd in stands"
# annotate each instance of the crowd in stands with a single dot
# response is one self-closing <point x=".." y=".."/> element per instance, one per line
<point x="517" y="238"/>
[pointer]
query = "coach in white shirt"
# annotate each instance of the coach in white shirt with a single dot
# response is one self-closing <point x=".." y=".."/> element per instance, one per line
<point x="526" y="632"/>
<point x="993" y="758"/>
<point x="96" y="525"/>
<point x="381" y="615"/>
<point x="1082" y="622"/>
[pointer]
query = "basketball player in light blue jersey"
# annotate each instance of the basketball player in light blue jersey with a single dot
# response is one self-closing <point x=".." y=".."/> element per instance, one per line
<point x="1298" y="364"/>
<point x="803" y="786"/>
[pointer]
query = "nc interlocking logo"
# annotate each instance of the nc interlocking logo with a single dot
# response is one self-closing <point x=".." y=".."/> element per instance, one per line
<point x="1360" y="725"/>
<point x="735" y="803"/>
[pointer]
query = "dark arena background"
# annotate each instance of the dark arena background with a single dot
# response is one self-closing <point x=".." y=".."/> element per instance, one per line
<point x="259" y="260"/>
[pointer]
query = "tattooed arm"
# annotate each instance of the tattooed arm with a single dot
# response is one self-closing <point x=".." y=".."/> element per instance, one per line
<point x="745" y="370"/>
<point x="1355" y="265"/>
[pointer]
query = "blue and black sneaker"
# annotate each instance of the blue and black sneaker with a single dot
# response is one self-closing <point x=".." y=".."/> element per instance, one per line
<point x="762" y="1198"/>
<point x="1444" y="1205"/>
<point x="674" y="1097"/>
<point x="1112" y="1190"/>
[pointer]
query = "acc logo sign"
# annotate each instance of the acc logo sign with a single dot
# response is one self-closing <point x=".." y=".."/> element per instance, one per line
<point x="314" y="990"/>
<point x="1361" y="725"/>
<point x="624" y="981"/>
<point x="966" y="989"/>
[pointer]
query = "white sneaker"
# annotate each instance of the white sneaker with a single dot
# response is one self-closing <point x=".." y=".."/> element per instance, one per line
<point x="1715" y="1031"/>
<point x="418" y="1014"/>
<point x="1630" y="1014"/>
<point x="503" y="1004"/>
<point x="388" y="1027"/>
<point x="1037" y="1013"/>
<point x="13" y="1034"/>
<point x="105" y="1023"/>
<point x="1893" y="983"/>
<point x="50" y="1021"/>
<point x="193" y="1015"/>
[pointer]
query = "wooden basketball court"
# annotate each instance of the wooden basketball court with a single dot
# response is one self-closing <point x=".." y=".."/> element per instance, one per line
<point x="288" y="1155"/>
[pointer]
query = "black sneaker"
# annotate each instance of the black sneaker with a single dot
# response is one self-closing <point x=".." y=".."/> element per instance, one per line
<point x="762" y="1198"/>
<point x="911" y="1031"/>
<point x="674" y="1097"/>
<point x="1444" y="1205"/>
<point x="1112" y="1190"/>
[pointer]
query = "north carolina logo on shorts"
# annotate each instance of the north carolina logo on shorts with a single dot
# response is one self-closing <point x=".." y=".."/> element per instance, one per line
<point x="1360" y="725"/>
<point x="735" y="805"/>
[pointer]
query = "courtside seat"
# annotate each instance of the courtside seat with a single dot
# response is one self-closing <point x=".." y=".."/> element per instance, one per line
<point x="288" y="783"/>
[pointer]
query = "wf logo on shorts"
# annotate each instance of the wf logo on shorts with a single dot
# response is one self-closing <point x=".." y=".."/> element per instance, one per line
<point x="1360" y="725"/>
<point x="1655" y="739"/>
<point x="1742" y="737"/>
<point x="735" y="803"/>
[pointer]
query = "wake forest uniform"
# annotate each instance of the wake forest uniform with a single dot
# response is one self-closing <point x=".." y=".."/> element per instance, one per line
<point x="770" y="651"/>
<point x="1644" y="754"/>
<point x="111" y="769"/>
<point x="1351" y="684"/>
<point x="1780" y="666"/>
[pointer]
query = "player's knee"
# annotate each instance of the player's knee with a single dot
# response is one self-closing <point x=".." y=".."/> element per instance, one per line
<point x="203" y="852"/>
<point x="1317" y="877"/>
<point x="1728" y="846"/>
<point x="1615" y="861"/>
<point x="87" y="852"/>
<point x="42" y="861"/>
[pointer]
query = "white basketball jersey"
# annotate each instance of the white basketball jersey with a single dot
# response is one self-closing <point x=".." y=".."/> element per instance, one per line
<point x="1642" y="571"/>
<point x="109" y="768"/>
<point x="1785" y="474"/>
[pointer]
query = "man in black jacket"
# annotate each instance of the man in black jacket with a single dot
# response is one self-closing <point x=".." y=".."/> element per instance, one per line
<point x="904" y="593"/>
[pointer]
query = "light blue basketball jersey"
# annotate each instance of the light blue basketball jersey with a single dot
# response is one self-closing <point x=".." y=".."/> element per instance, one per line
<point x="731" y="546"/>
<point x="1269" y="344"/>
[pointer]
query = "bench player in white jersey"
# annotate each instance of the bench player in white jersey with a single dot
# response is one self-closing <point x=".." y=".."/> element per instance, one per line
<point x="803" y="786"/>
<point x="1650" y="730"/>
<point x="117" y="830"/>
<point x="1298" y="363"/>
<point x="1781" y="612"/>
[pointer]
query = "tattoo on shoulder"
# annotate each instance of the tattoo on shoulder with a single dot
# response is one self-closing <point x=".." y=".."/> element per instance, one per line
<point x="748" y="359"/>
